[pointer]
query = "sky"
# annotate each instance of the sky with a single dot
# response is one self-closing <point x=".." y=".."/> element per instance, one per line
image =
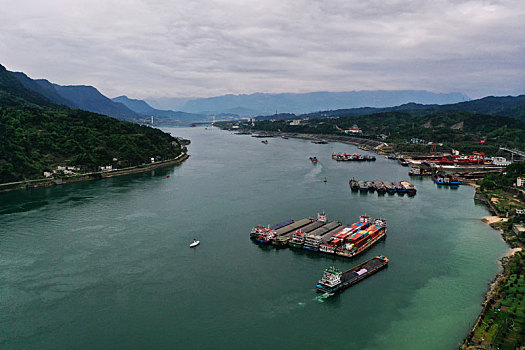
<point x="201" y="48"/>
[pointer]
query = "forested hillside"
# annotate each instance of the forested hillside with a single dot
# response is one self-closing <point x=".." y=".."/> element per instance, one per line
<point x="460" y="130"/>
<point x="37" y="135"/>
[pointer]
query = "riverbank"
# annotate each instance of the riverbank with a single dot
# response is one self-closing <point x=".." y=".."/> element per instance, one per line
<point x="501" y="322"/>
<point x="356" y="141"/>
<point x="47" y="182"/>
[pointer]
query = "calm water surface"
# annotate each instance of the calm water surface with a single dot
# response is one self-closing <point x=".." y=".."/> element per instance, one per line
<point x="106" y="264"/>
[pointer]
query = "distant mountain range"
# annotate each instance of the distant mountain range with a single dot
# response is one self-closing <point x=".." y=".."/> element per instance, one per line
<point x="505" y="106"/>
<point x="90" y="99"/>
<point x="263" y="103"/>
<point x="144" y="109"/>
<point x="79" y="96"/>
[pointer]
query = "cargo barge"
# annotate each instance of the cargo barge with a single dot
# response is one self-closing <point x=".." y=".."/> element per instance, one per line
<point x="409" y="188"/>
<point x="445" y="179"/>
<point x="361" y="240"/>
<point x="383" y="187"/>
<point x="334" y="281"/>
<point x="268" y="236"/>
<point x="319" y="235"/>
<point x="314" y="239"/>
<point x="347" y="157"/>
<point x="340" y="237"/>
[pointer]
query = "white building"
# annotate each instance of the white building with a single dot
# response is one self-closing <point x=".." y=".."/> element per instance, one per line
<point x="520" y="181"/>
<point x="295" y="122"/>
<point x="354" y="130"/>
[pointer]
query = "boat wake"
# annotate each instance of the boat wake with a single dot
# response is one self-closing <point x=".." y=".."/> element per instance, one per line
<point x="314" y="172"/>
<point x="322" y="297"/>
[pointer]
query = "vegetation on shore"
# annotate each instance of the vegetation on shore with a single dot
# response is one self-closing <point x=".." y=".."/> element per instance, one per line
<point x="37" y="135"/>
<point x="463" y="131"/>
<point x="501" y="324"/>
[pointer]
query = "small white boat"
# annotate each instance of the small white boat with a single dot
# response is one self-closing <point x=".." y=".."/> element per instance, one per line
<point x="195" y="243"/>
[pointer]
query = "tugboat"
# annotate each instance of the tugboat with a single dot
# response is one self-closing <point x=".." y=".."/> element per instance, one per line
<point x="313" y="160"/>
<point x="265" y="142"/>
<point x="334" y="281"/>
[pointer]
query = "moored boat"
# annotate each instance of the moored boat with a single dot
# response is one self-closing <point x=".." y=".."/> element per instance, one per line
<point x="380" y="187"/>
<point x="402" y="161"/>
<point x="334" y="281"/>
<point x="361" y="240"/>
<point x="390" y="187"/>
<point x="341" y="236"/>
<point x="409" y="188"/>
<point x="399" y="189"/>
<point x="354" y="185"/>
<point x="363" y="186"/>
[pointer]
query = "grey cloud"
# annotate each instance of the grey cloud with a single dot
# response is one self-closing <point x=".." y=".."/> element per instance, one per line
<point x="204" y="48"/>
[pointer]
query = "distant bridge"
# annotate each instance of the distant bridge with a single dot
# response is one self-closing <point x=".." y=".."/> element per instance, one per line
<point x="513" y="152"/>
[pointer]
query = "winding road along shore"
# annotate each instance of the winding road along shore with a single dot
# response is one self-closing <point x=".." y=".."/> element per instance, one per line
<point x="46" y="182"/>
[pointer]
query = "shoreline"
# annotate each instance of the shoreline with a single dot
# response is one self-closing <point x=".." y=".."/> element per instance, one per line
<point x="46" y="182"/>
<point x="356" y="141"/>
<point x="494" y="284"/>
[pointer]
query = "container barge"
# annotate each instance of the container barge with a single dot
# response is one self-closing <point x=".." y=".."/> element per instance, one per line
<point x="327" y="237"/>
<point x="334" y="281"/>
<point x="361" y="240"/>
<point x="340" y="237"/>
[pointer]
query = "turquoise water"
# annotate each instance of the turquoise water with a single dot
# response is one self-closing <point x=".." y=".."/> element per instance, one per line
<point x="106" y="264"/>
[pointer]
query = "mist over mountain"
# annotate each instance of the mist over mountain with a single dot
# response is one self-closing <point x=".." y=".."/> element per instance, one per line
<point x="264" y="103"/>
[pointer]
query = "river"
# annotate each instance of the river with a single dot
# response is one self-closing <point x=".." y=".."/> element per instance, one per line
<point x="106" y="264"/>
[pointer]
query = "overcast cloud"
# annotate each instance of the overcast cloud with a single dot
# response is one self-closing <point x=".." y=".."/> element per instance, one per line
<point x="161" y="48"/>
